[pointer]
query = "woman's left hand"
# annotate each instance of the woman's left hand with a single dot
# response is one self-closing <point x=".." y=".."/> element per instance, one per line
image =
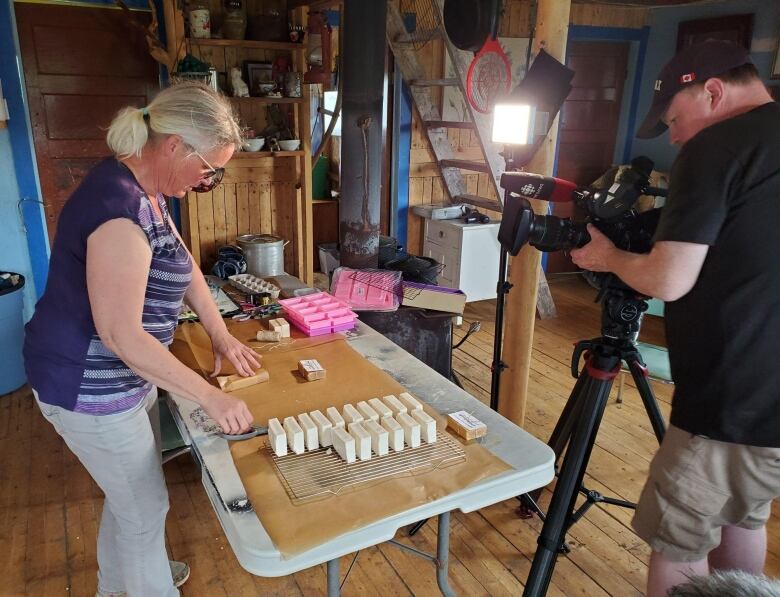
<point x="244" y="359"/>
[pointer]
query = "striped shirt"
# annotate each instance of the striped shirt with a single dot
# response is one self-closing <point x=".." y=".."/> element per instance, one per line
<point x="66" y="361"/>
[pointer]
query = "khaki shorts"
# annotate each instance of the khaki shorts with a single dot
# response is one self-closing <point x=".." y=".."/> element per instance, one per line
<point x="696" y="486"/>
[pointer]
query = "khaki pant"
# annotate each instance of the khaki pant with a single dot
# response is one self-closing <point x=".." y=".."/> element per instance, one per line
<point x="122" y="453"/>
<point x="696" y="486"/>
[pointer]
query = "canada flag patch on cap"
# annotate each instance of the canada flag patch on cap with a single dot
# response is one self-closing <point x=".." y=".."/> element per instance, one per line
<point x="688" y="78"/>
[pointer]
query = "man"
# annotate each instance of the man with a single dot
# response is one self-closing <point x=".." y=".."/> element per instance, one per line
<point x="716" y="261"/>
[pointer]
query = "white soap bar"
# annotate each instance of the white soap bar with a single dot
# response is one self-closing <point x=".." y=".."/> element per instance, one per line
<point x="427" y="425"/>
<point x="335" y="417"/>
<point x="369" y="414"/>
<point x="396" y="438"/>
<point x="309" y="431"/>
<point x="380" y="408"/>
<point x="324" y="427"/>
<point x="394" y="405"/>
<point x="362" y="440"/>
<point x="351" y="415"/>
<point x="277" y="437"/>
<point x="410" y="402"/>
<point x="411" y="430"/>
<point x="380" y="438"/>
<point x="344" y="444"/>
<point x="294" y="435"/>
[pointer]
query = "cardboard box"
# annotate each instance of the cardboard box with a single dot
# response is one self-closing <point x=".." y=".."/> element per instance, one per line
<point x="437" y="298"/>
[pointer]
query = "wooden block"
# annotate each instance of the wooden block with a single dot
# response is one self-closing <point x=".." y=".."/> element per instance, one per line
<point x="324" y="427"/>
<point x="231" y="383"/>
<point x="411" y="430"/>
<point x="311" y="369"/>
<point x="394" y="405"/>
<point x="310" y="435"/>
<point x="351" y="415"/>
<point x="396" y="433"/>
<point x="269" y="336"/>
<point x="344" y="444"/>
<point x="410" y="402"/>
<point x="466" y="425"/>
<point x="362" y="441"/>
<point x="335" y="417"/>
<point x="380" y="408"/>
<point x="280" y="325"/>
<point x="380" y="438"/>
<point x="369" y="414"/>
<point x="294" y="435"/>
<point x="277" y="437"/>
<point x="427" y="425"/>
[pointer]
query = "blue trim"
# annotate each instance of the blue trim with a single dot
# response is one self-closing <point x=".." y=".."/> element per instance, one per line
<point x="403" y="132"/>
<point x="635" y="93"/>
<point x="333" y="17"/>
<point x="586" y="33"/>
<point x="20" y="133"/>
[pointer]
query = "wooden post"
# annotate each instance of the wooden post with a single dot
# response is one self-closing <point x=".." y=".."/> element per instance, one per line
<point x="552" y="27"/>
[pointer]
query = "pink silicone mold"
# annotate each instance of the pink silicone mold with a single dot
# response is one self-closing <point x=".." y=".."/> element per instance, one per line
<point x="319" y="313"/>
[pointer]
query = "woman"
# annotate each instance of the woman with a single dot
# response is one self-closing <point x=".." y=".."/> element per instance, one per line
<point x="96" y="347"/>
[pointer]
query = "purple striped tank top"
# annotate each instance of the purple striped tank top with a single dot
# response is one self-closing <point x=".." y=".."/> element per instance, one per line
<point x="66" y="362"/>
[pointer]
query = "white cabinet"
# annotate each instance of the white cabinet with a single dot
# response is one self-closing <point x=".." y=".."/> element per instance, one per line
<point x="469" y="253"/>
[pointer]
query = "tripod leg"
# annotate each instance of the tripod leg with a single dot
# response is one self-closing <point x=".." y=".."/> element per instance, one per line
<point x="595" y="393"/>
<point x="639" y="373"/>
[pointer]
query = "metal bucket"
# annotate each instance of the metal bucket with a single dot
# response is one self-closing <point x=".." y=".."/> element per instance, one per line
<point x="264" y="254"/>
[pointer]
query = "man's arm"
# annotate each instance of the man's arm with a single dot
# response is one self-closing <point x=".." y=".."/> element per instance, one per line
<point x="667" y="272"/>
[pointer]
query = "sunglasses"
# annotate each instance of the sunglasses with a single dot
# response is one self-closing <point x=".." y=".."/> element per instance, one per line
<point x="213" y="176"/>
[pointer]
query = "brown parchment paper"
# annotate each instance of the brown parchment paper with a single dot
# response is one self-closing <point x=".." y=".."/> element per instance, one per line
<point x="295" y="528"/>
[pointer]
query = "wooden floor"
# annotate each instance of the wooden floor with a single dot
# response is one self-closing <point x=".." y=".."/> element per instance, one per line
<point x="50" y="508"/>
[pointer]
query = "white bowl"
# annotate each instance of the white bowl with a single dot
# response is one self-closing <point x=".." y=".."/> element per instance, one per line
<point x="290" y="145"/>
<point x="254" y="144"/>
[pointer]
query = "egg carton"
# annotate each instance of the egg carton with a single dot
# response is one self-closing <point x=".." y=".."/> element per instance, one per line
<point x="253" y="285"/>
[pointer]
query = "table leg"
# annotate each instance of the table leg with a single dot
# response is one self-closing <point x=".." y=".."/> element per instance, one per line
<point x="334" y="588"/>
<point x="443" y="555"/>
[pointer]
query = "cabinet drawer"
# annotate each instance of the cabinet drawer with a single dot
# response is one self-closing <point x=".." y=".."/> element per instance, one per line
<point x="448" y="258"/>
<point x="442" y="233"/>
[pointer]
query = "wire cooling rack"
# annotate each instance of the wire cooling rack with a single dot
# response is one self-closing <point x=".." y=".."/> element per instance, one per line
<point x="321" y="473"/>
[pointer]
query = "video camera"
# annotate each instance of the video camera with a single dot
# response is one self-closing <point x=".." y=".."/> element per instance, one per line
<point x="611" y="210"/>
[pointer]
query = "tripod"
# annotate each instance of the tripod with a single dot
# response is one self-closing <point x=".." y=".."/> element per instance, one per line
<point x="579" y="423"/>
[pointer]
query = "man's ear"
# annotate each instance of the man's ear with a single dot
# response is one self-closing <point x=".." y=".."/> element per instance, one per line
<point x="714" y="90"/>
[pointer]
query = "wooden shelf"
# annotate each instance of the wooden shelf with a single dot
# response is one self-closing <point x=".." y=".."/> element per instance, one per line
<point x="247" y="43"/>
<point x="246" y="155"/>
<point x="270" y="100"/>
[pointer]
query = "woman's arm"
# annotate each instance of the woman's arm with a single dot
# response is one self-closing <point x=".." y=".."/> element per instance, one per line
<point x="118" y="260"/>
<point x="198" y="296"/>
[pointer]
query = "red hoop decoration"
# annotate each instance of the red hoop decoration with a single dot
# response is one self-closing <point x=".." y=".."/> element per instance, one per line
<point x="489" y="77"/>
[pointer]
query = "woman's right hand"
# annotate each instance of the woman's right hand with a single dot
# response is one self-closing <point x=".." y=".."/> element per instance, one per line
<point x="231" y="414"/>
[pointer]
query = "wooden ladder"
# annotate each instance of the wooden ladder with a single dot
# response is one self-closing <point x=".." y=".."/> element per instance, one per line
<point x="451" y="169"/>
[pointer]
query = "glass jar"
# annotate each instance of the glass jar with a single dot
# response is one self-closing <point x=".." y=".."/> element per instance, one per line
<point x="292" y="84"/>
<point x="200" y="19"/>
<point x="234" y="21"/>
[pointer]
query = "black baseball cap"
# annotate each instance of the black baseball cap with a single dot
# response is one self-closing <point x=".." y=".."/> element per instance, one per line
<point x="694" y="64"/>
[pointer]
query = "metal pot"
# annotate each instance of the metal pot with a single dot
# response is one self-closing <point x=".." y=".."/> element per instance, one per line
<point x="264" y="254"/>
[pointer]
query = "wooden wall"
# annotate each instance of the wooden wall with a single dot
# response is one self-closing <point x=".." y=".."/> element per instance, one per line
<point x="425" y="184"/>
<point x="257" y="195"/>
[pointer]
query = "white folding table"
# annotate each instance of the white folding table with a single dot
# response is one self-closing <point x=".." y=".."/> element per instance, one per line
<point x="531" y="460"/>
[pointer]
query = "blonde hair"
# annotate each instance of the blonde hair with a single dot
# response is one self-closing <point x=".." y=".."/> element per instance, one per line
<point x="202" y="117"/>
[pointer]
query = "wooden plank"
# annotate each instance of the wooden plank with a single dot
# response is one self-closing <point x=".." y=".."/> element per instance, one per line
<point x="267" y="210"/>
<point x="243" y="220"/>
<point x="255" y="208"/>
<point x="231" y="215"/>
<point x="466" y="165"/>
<point x="206" y="229"/>
<point x="477" y="201"/>
<point x="220" y="223"/>
<point x="451" y="124"/>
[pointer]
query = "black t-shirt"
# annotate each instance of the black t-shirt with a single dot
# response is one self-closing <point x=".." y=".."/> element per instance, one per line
<point x="724" y="335"/>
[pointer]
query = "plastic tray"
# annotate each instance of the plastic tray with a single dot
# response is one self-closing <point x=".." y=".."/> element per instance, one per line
<point x="253" y="285"/>
<point x="319" y="313"/>
<point x="367" y="290"/>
